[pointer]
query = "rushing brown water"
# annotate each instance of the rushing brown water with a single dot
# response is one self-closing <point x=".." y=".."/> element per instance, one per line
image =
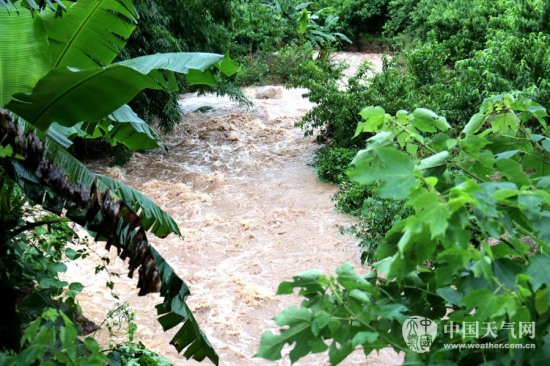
<point x="252" y="214"/>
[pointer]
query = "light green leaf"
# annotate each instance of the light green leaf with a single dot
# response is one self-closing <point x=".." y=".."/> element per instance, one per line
<point x="505" y="121"/>
<point x="309" y="282"/>
<point x="24" y="56"/>
<point x="364" y="338"/>
<point x="299" y="333"/>
<point x="474" y="124"/>
<point x="303" y="22"/>
<point x="433" y="161"/>
<point x="80" y="38"/>
<point x="450" y="295"/>
<point x="432" y="211"/>
<point x="402" y="117"/>
<point x="488" y="304"/>
<point x="320" y="321"/>
<point x="427" y="121"/>
<point x="129" y="129"/>
<point x="394" y="169"/>
<point x="383" y="138"/>
<point x="374" y="119"/>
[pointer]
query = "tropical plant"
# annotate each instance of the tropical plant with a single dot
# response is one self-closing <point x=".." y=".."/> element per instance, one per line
<point x="319" y="27"/>
<point x="474" y="250"/>
<point x="58" y="81"/>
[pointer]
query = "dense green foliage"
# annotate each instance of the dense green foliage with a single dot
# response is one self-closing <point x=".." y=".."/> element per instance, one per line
<point x="491" y="179"/>
<point x="453" y="205"/>
<point x="451" y="55"/>
<point x="75" y="53"/>
<point x="167" y="26"/>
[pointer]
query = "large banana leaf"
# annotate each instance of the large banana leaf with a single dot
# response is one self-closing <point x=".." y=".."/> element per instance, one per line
<point x="123" y="126"/>
<point x="91" y="32"/>
<point x="24" y="55"/>
<point x="126" y="127"/>
<point x="94" y="93"/>
<point x="43" y="175"/>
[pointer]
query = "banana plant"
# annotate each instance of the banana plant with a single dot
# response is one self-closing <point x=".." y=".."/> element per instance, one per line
<point x="57" y="80"/>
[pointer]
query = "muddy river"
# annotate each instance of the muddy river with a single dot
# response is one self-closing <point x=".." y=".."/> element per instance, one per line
<point x="252" y="213"/>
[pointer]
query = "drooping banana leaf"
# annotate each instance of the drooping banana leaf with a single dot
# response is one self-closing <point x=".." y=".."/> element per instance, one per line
<point x="123" y="126"/>
<point x="90" y="33"/>
<point x="127" y="128"/>
<point x="103" y="89"/>
<point x="44" y="177"/>
<point x="24" y="55"/>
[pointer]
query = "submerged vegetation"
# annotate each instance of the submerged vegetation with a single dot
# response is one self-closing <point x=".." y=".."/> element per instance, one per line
<point x="443" y="156"/>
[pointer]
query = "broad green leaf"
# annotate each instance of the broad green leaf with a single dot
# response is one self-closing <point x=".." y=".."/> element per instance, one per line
<point x="450" y="295"/>
<point x="474" y="124"/>
<point x="127" y="128"/>
<point x="24" y="56"/>
<point x="320" y="321"/>
<point x="364" y="338"/>
<point x="91" y="33"/>
<point x="539" y="270"/>
<point x="351" y="280"/>
<point x="228" y="66"/>
<point x="383" y="138"/>
<point x="338" y="352"/>
<point x="402" y="117"/>
<point x="489" y="305"/>
<point x="374" y="119"/>
<point x="505" y="121"/>
<point x="427" y="121"/>
<point x="393" y="311"/>
<point x="394" y="169"/>
<point x="434" y="160"/>
<point x="105" y="89"/>
<point x="76" y="286"/>
<point x="507" y="154"/>
<point x="431" y="210"/>
<point x="63" y="135"/>
<point x="298" y="321"/>
<point x="309" y="282"/>
<point x="303" y="22"/>
<point x="513" y="170"/>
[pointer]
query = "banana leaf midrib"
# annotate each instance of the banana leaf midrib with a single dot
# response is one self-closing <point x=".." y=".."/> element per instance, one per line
<point x="78" y="84"/>
<point x="71" y="41"/>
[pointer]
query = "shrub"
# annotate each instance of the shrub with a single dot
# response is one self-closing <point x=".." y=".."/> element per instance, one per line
<point x="492" y="178"/>
<point x="333" y="162"/>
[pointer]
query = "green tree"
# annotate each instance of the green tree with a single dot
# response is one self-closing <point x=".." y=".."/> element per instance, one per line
<point x="57" y="81"/>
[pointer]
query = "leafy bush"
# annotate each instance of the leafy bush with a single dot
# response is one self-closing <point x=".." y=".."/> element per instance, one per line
<point x="460" y="26"/>
<point x="510" y="61"/>
<point x="283" y="45"/>
<point x="493" y="178"/>
<point x="52" y="339"/>
<point x="335" y="114"/>
<point x="332" y="163"/>
<point x="357" y="18"/>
